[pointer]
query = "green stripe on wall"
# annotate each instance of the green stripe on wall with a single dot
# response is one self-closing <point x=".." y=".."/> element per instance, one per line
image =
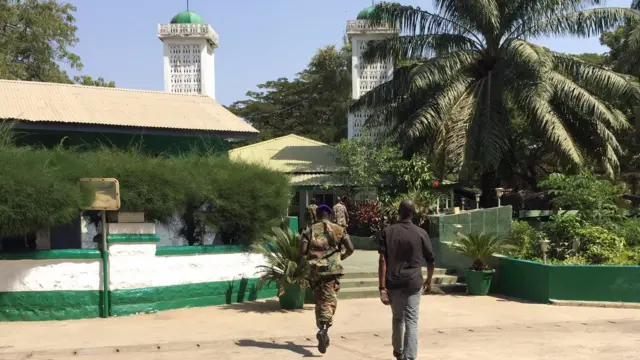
<point x="66" y="254"/>
<point x="49" y="305"/>
<point x="200" y="250"/>
<point x="127" y="302"/>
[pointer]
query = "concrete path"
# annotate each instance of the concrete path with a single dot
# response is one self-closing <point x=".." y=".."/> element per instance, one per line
<point x="450" y="328"/>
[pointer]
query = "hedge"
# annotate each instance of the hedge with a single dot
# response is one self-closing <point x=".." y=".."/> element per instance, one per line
<point x="39" y="188"/>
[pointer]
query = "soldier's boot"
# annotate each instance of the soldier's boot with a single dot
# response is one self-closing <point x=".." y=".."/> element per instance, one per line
<point x="323" y="339"/>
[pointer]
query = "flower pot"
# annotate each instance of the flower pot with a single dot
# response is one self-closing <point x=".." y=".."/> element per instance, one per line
<point x="478" y="282"/>
<point x="293" y="297"/>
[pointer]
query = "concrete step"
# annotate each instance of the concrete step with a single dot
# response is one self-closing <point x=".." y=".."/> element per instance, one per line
<point x="359" y="274"/>
<point x="347" y="283"/>
<point x="373" y="292"/>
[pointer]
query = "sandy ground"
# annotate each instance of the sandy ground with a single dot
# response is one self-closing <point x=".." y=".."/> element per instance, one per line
<point x="451" y="327"/>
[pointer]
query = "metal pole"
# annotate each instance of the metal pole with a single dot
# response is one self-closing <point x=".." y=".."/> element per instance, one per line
<point x="105" y="268"/>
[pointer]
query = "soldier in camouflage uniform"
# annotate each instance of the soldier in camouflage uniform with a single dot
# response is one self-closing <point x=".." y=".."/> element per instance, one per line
<point x="311" y="213"/>
<point x="322" y="244"/>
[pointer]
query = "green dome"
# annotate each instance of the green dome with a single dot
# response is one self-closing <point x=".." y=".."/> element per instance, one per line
<point x="187" y="17"/>
<point x="365" y="14"/>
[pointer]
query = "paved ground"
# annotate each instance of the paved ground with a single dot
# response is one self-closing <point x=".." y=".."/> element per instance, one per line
<point x="450" y="328"/>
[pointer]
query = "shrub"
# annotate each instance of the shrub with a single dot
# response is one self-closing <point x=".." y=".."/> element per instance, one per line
<point x="479" y="247"/>
<point x="365" y="218"/>
<point x="572" y="239"/>
<point x="561" y="231"/>
<point x="595" y="199"/>
<point x="630" y="231"/>
<point x="525" y="241"/>
<point x="39" y="189"/>
<point x="285" y="265"/>
<point x="600" y="246"/>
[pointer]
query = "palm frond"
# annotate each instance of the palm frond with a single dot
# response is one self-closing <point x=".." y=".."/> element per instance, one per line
<point x="481" y="15"/>
<point x="284" y="264"/>
<point x="584" y="102"/>
<point x="584" y="23"/>
<point x="479" y="247"/>
<point x="416" y="46"/>
<point x="534" y="101"/>
<point x="607" y="84"/>
<point x="414" y="20"/>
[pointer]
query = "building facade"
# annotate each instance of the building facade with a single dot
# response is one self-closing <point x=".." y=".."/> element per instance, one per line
<point x="365" y="77"/>
<point x="189" y="61"/>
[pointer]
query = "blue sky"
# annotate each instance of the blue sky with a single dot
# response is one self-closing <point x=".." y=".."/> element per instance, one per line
<point x="260" y="40"/>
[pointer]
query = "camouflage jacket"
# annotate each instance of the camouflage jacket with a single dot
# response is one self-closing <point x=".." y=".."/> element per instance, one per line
<point x="325" y="245"/>
<point x="311" y="214"/>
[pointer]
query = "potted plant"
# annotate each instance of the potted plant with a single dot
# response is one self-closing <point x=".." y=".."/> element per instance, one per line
<point x="479" y="247"/>
<point x="284" y="266"/>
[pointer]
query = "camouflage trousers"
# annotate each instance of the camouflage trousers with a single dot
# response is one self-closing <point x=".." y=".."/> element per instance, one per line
<point x="325" y="291"/>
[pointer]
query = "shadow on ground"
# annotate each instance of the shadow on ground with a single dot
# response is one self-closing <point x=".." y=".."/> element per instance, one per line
<point x="259" y="307"/>
<point x="289" y="345"/>
<point x="502" y="298"/>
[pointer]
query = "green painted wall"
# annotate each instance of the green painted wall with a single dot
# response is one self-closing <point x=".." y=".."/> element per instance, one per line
<point x="541" y="283"/>
<point x="595" y="283"/>
<point x="128" y="302"/>
<point x="150" y="144"/>
<point x="49" y="305"/>
<point x="522" y="279"/>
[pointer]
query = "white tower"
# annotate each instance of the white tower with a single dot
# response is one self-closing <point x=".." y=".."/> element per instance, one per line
<point x="189" y="66"/>
<point x="366" y="77"/>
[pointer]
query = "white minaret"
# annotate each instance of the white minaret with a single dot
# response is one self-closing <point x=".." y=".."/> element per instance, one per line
<point x="365" y="77"/>
<point x="189" y="66"/>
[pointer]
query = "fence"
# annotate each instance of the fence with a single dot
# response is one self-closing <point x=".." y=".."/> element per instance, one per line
<point x="442" y="231"/>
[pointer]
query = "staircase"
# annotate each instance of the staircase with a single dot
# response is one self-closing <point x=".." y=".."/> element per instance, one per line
<point x="361" y="285"/>
<point x="361" y="278"/>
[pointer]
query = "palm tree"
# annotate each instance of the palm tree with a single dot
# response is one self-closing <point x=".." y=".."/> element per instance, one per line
<point x="465" y="70"/>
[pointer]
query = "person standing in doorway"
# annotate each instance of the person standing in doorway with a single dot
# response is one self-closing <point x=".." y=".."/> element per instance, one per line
<point x="403" y="248"/>
<point x="340" y="214"/>
<point x="322" y="244"/>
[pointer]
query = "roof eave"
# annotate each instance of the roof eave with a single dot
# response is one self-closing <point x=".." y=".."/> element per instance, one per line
<point x="92" y="128"/>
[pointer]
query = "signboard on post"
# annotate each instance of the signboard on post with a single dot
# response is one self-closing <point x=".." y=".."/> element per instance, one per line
<point x="107" y="198"/>
<point x="106" y="190"/>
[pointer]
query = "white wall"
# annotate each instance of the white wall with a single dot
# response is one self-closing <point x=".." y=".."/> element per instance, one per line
<point x="50" y="275"/>
<point x="138" y="267"/>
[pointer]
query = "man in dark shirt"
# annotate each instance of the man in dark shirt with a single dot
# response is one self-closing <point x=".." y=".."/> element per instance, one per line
<point x="403" y="248"/>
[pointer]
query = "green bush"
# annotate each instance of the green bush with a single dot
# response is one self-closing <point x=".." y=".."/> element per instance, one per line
<point x="525" y="241"/>
<point x="595" y="199"/>
<point x="600" y="246"/>
<point x="39" y="189"/>
<point x="630" y="231"/>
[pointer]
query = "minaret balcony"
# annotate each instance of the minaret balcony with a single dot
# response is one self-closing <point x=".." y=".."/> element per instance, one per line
<point x="172" y="31"/>
<point x="366" y="27"/>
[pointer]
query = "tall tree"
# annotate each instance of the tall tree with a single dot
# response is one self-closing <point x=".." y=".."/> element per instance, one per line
<point x="35" y="38"/>
<point x="473" y="60"/>
<point x="314" y="104"/>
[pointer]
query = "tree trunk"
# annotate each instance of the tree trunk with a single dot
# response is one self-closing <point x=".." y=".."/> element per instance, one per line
<point x="488" y="184"/>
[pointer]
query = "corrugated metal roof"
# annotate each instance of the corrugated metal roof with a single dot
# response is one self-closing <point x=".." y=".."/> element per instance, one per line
<point x="328" y="180"/>
<point x="65" y="103"/>
<point x="289" y="154"/>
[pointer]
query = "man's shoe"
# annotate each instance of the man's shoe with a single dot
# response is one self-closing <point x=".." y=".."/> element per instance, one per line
<point x="323" y="341"/>
<point x="398" y="356"/>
